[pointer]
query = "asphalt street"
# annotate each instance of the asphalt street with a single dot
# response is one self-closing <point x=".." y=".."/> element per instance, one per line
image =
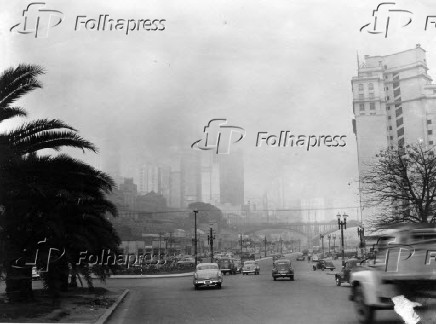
<point x="312" y="298"/>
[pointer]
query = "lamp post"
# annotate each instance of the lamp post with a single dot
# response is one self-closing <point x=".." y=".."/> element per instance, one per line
<point x="321" y="236"/>
<point x="361" y="233"/>
<point x="342" y="222"/>
<point x="329" y="237"/>
<point x="210" y="239"/>
<point x="195" y="236"/>
<point x="265" y="246"/>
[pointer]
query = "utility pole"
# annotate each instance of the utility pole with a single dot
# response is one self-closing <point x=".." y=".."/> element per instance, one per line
<point x="195" y="236"/>
<point x="321" y="236"/>
<point x="210" y="239"/>
<point x="265" y="246"/>
<point x="241" y="245"/>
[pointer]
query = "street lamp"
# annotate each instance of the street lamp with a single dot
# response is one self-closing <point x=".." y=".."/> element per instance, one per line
<point x="342" y="222"/>
<point x="329" y="237"/>
<point x="361" y="233"/>
<point x="210" y="239"/>
<point x="195" y="236"/>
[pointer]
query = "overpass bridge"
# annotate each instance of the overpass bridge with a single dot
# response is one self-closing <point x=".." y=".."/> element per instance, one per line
<point x="310" y="230"/>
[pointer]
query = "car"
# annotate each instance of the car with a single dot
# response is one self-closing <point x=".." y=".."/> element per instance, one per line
<point x="323" y="264"/>
<point x="250" y="267"/>
<point x="300" y="258"/>
<point x="35" y="274"/>
<point x="282" y="268"/>
<point x="207" y="275"/>
<point x="344" y="275"/>
<point x="227" y="266"/>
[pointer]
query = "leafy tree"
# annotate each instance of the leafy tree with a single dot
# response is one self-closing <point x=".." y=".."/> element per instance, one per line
<point x="207" y="213"/>
<point x="401" y="184"/>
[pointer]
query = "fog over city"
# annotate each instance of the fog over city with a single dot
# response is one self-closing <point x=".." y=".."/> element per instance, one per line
<point x="270" y="67"/>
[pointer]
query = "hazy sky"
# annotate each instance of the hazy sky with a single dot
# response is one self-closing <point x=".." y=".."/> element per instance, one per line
<point x="264" y="65"/>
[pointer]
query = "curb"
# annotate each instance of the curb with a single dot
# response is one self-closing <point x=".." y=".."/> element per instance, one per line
<point x="103" y="318"/>
<point x="189" y="274"/>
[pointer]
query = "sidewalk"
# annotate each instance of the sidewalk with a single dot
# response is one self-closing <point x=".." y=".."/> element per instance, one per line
<point x="188" y="274"/>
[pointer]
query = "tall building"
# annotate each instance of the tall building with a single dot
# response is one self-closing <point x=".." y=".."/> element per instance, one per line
<point x="210" y="178"/>
<point x="190" y="166"/>
<point x="231" y="170"/>
<point x="394" y="103"/>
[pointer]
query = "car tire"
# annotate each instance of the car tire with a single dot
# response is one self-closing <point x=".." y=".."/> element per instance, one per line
<point x="274" y="278"/>
<point x="291" y="278"/>
<point x="219" y="286"/>
<point x="331" y="269"/>
<point x="195" y="288"/>
<point x="365" y="314"/>
<point x="314" y="269"/>
<point x="338" y="282"/>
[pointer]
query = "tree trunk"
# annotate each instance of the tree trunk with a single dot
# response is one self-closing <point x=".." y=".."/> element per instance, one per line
<point x="18" y="280"/>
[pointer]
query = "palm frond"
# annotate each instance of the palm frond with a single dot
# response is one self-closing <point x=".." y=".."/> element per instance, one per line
<point x="16" y="82"/>
<point x="10" y="112"/>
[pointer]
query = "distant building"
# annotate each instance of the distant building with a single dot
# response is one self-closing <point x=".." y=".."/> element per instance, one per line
<point x="129" y="192"/>
<point x="191" y="177"/>
<point x="210" y="178"/>
<point x="231" y="168"/>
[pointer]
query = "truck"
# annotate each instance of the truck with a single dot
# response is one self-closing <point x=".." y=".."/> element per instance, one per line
<point x="404" y="264"/>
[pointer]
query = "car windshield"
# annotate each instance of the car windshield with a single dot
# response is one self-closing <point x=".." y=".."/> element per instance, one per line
<point x="249" y="263"/>
<point x="207" y="267"/>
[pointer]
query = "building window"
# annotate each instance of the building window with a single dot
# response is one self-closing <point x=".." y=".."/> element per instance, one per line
<point x="400" y="132"/>
<point x="371" y="95"/>
<point x="428" y="121"/>
<point x="362" y="107"/>
<point x="372" y="105"/>
<point x="392" y="138"/>
<point x="399" y="122"/>
<point x="388" y="107"/>
<point x="399" y="111"/>
<point x="360" y="87"/>
<point x="387" y="98"/>
<point x="370" y="86"/>
<point x="390" y="127"/>
<point x="360" y="96"/>
<point x="429" y="132"/>
<point x="401" y="142"/>
<point x="386" y="66"/>
<point x="373" y="113"/>
<point x="434" y="91"/>
<point x="430" y="142"/>
<point x="389" y="117"/>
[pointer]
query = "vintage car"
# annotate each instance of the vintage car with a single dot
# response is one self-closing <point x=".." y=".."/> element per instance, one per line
<point x="207" y="275"/>
<point x="227" y="266"/>
<point x="300" y="258"/>
<point x="282" y="268"/>
<point x="344" y="275"/>
<point x="401" y="268"/>
<point x="250" y="267"/>
<point x="323" y="264"/>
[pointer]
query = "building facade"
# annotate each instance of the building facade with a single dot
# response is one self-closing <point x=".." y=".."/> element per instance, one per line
<point x="394" y="103"/>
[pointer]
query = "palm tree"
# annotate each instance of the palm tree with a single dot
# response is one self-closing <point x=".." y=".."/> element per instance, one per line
<point x="40" y="194"/>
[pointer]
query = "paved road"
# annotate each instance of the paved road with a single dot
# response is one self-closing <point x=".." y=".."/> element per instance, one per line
<point x="312" y="298"/>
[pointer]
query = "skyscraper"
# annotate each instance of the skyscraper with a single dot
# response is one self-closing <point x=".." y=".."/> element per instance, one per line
<point x="231" y="169"/>
<point x="394" y="102"/>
